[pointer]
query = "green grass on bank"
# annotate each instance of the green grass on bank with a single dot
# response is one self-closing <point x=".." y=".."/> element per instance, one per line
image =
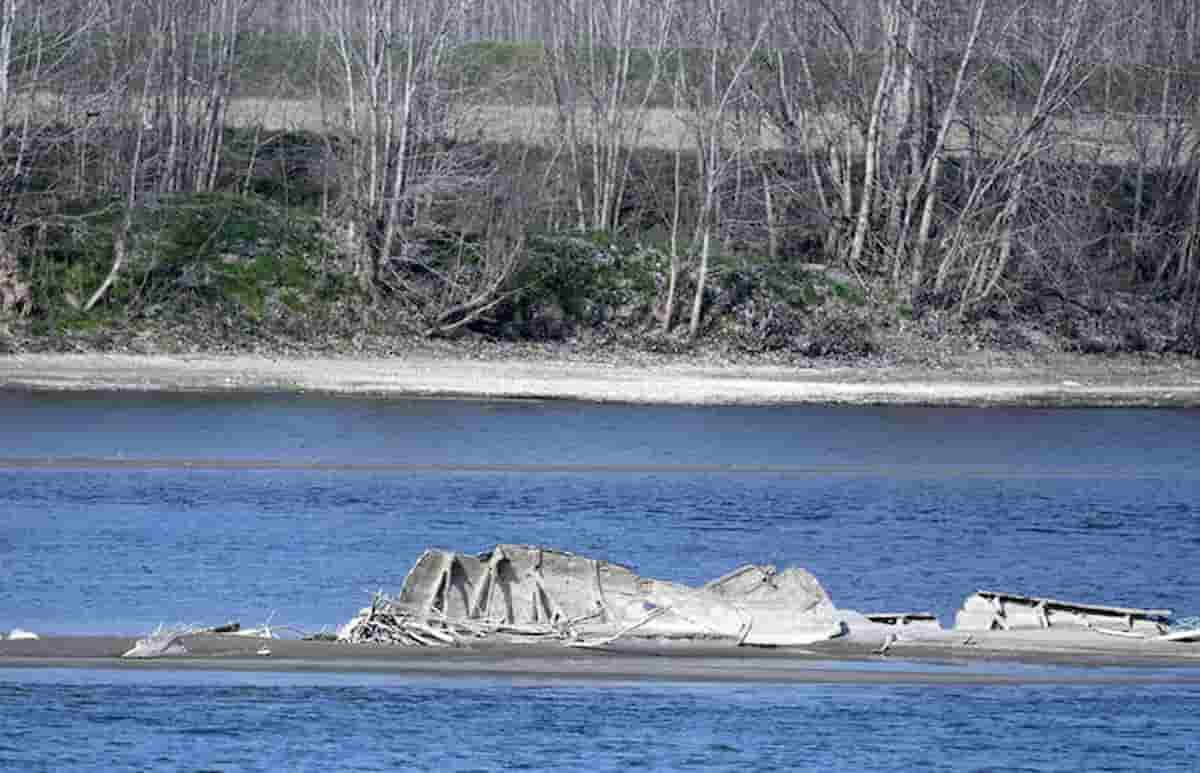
<point x="213" y="253"/>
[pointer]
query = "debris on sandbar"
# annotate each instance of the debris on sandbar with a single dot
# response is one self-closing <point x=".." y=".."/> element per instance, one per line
<point x="170" y="641"/>
<point x="534" y="594"/>
<point x="162" y="642"/>
<point x="528" y="593"/>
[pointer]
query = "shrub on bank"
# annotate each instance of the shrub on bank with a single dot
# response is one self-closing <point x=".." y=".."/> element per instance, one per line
<point x="239" y="257"/>
<point x="572" y="280"/>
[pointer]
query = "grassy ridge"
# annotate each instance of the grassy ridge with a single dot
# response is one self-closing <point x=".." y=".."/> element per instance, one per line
<point x="273" y="64"/>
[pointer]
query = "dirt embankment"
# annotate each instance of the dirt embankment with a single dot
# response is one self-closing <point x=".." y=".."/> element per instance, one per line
<point x="543" y="374"/>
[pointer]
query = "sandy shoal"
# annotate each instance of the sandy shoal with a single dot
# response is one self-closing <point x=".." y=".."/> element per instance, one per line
<point x="1065" y="380"/>
<point x="829" y="662"/>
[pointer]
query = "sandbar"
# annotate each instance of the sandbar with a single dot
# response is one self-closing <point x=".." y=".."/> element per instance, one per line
<point x="827" y="663"/>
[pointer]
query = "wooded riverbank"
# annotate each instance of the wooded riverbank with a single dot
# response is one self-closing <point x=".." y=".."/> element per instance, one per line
<point x="822" y="179"/>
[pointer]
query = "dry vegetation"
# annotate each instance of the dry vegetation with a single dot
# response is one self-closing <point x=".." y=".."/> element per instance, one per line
<point x="1090" y="138"/>
<point x="825" y="177"/>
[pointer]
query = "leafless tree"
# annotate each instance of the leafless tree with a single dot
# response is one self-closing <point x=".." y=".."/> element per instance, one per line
<point x="137" y="126"/>
<point x="591" y="56"/>
<point x="44" y="110"/>
<point x="710" y="98"/>
<point x="394" y="109"/>
<point x="879" y="119"/>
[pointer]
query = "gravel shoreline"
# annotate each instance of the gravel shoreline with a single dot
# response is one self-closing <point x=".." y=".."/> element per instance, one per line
<point x="978" y="381"/>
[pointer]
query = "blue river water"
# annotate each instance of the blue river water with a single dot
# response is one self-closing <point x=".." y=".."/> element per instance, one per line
<point x="121" y="511"/>
<point x="270" y="722"/>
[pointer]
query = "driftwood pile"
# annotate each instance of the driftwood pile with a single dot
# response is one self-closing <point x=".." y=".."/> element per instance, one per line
<point x="387" y="622"/>
<point x="526" y="593"/>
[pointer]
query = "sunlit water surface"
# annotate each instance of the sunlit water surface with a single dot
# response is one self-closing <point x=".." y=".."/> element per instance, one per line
<point x="118" y="512"/>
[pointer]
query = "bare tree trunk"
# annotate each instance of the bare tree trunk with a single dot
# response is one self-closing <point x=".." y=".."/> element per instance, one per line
<point x="8" y="23"/>
<point x="871" y="152"/>
<point x="933" y="171"/>
<point x="9" y="173"/>
<point x="676" y="207"/>
<point x="601" y="108"/>
<point x="400" y="167"/>
<point x="769" y="215"/>
<point x="712" y="105"/>
<point x="1060" y="80"/>
<point x="142" y="126"/>
<point x="701" y="282"/>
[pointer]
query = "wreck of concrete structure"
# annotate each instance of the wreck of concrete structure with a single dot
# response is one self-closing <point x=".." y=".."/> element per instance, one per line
<point x="527" y="592"/>
<point x="994" y="611"/>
